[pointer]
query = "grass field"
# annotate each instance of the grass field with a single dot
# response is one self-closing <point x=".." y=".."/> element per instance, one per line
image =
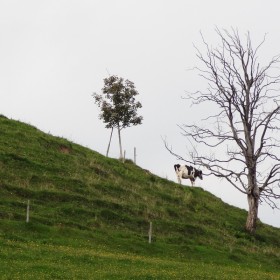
<point x="90" y="215"/>
<point x="34" y="261"/>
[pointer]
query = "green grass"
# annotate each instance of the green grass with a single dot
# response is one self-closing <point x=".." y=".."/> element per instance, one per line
<point x="89" y="219"/>
<point x="33" y="261"/>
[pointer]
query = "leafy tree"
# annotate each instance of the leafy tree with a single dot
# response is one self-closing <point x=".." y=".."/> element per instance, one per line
<point x="243" y="135"/>
<point x="118" y="105"/>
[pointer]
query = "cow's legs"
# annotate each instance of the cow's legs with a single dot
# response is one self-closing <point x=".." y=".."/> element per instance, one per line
<point x="179" y="178"/>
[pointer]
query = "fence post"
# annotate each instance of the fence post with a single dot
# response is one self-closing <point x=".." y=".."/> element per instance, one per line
<point x="150" y="232"/>
<point x="124" y="152"/>
<point x="134" y="155"/>
<point x="27" y="211"/>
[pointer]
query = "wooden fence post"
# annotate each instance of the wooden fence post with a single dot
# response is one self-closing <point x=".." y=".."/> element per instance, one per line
<point x="124" y="152"/>
<point x="27" y="211"/>
<point x="150" y="232"/>
<point x="134" y="155"/>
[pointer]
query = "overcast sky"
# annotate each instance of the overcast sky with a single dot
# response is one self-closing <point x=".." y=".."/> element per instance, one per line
<point x="54" y="54"/>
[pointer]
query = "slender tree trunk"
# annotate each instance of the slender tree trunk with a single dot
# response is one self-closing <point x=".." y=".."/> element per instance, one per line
<point x="252" y="217"/>
<point x="120" y="142"/>
<point x="109" y="142"/>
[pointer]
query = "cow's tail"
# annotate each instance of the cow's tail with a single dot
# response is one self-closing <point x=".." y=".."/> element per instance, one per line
<point x="176" y="167"/>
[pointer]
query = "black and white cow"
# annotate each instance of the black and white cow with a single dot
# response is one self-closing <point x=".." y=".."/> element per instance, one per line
<point x="187" y="172"/>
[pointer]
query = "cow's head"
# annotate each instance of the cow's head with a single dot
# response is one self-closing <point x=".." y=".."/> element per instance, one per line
<point x="198" y="173"/>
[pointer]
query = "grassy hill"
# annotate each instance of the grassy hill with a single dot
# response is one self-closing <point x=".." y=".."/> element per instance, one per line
<point x="90" y="216"/>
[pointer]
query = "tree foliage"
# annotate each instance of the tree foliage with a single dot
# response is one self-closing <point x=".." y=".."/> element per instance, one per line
<point x="118" y="105"/>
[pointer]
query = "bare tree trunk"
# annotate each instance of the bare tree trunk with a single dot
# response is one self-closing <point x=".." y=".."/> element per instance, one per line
<point x="253" y="198"/>
<point x="109" y="142"/>
<point x="252" y="217"/>
<point x="120" y="142"/>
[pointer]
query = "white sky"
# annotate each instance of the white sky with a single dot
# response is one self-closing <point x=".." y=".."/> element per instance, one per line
<point x="55" y="53"/>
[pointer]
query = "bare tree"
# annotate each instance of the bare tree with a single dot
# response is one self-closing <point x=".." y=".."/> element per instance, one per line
<point x="244" y="138"/>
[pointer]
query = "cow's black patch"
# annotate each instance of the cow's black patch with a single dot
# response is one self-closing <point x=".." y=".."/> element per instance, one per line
<point x="190" y="169"/>
<point x="176" y="167"/>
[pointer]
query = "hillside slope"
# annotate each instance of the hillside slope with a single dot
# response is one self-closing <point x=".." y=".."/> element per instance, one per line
<point x="83" y="200"/>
